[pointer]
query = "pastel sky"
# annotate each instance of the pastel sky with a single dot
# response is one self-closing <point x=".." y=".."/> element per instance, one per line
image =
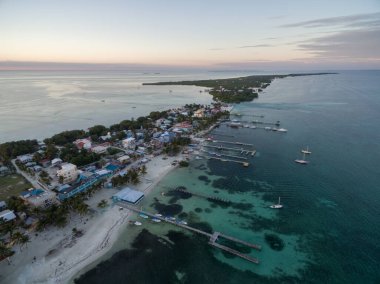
<point x="314" y="34"/>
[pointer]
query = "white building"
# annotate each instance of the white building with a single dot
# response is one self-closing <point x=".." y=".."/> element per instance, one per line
<point x="7" y="215"/>
<point x="68" y="172"/>
<point x="129" y="143"/>
<point x="99" y="149"/>
<point x="124" y="159"/>
<point x="56" y="162"/>
<point x="83" y="143"/>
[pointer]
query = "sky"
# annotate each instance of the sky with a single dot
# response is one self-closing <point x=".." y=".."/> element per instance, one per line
<point x="211" y="34"/>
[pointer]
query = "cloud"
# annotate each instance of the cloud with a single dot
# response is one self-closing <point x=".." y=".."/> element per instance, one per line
<point x="254" y="46"/>
<point x="351" y="45"/>
<point x="358" y="19"/>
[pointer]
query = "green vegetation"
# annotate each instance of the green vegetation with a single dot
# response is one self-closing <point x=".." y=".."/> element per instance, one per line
<point x="12" y="185"/>
<point x="235" y="90"/>
<point x="70" y="153"/>
<point x="103" y="203"/>
<point x="11" y="150"/>
<point x="132" y="176"/>
<point x="65" y="137"/>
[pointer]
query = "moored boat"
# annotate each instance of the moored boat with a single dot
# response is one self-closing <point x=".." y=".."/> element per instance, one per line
<point x="278" y="205"/>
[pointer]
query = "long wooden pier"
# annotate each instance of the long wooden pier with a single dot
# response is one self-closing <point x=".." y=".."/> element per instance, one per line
<point x="225" y="155"/>
<point x="229" y="142"/>
<point x="212" y="237"/>
<point x="241" y="150"/>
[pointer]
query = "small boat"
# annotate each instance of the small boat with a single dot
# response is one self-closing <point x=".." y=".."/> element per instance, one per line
<point x="267" y="128"/>
<point x="307" y="152"/>
<point x="278" y="205"/>
<point x="137" y="223"/>
<point x="253" y="127"/>
<point x="282" y="130"/>
<point x="158" y="215"/>
<point x="302" y="161"/>
<point x="183" y="222"/>
<point x="198" y="158"/>
<point x="156" y="220"/>
<point x="171" y="218"/>
<point x="144" y="216"/>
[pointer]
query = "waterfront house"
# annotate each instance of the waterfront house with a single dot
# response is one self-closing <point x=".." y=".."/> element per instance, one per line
<point x="68" y="172"/>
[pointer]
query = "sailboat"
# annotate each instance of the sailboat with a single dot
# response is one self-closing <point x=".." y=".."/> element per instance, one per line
<point x="302" y="161"/>
<point x="277" y="206"/>
<point x="306" y="151"/>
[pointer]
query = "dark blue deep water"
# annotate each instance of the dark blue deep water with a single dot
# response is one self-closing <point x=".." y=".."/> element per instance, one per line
<point x="329" y="227"/>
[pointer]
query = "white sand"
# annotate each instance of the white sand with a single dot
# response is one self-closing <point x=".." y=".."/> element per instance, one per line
<point x="67" y="256"/>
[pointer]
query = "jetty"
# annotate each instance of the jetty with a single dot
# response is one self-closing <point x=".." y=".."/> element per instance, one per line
<point x="245" y="164"/>
<point x="225" y="155"/>
<point x="213" y="237"/>
<point x="229" y="142"/>
<point x="242" y="151"/>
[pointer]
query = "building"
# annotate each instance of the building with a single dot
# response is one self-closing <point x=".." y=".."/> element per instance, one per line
<point x="129" y="143"/>
<point x="7" y="215"/>
<point x="81" y="186"/>
<point x="4" y="170"/>
<point x="3" y="205"/>
<point x="128" y="195"/>
<point x="199" y="113"/>
<point x="83" y="143"/>
<point x="56" y="162"/>
<point x="99" y="149"/>
<point x="68" y="172"/>
<point x="25" y="158"/>
<point x="124" y="159"/>
<point x="39" y="197"/>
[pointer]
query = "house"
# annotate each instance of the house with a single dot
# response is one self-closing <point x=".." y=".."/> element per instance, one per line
<point x="106" y="137"/>
<point x="4" y="170"/>
<point x="45" y="163"/>
<point x="128" y="195"/>
<point x="3" y="205"/>
<point x="199" y="113"/>
<point x="124" y="159"/>
<point x="39" y="197"/>
<point x="129" y="143"/>
<point x="37" y="169"/>
<point x="83" y="143"/>
<point x="7" y="215"/>
<point x="25" y="158"/>
<point x="56" y="162"/>
<point x="99" y="149"/>
<point x="68" y="172"/>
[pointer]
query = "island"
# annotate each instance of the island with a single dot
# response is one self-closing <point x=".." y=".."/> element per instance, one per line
<point x="235" y="90"/>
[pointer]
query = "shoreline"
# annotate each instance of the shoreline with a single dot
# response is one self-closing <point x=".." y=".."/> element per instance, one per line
<point x="59" y="256"/>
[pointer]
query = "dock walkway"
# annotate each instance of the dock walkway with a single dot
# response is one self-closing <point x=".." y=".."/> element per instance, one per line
<point x="212" y="237"/>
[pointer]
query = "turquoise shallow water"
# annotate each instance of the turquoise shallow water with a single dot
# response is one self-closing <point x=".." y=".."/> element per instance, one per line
<point x="329" y="223"/>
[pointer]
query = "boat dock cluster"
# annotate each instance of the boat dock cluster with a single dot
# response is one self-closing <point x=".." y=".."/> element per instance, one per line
<point x="213" y="237"/>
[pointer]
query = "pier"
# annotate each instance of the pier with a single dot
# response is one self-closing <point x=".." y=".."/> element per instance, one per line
<point x="225" y="155"/>
<point x="212" y="237"/>
<point x="242" y="151"/>
<point x="229" y="142"/>
<point x="245" y="164"/>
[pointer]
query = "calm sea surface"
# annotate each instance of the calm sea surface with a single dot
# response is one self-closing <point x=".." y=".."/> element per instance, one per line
<point x="328" y="230"/>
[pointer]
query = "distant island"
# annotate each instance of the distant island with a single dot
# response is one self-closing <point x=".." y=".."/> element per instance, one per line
<point x="235" y="90"/>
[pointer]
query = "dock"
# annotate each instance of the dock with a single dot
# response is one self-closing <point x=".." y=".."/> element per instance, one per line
<point x="245" y="164"/>
<point x="225" y="155"/>
<point x="229" y="142"/>
<point x="212" y="237"/>
<point x="242" y="151"/>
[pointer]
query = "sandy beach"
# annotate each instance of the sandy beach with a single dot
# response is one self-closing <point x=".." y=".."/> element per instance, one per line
<point x="55" y="256"/>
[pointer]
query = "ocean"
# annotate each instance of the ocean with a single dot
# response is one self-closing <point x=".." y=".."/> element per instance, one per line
<point x="327" y="231"/>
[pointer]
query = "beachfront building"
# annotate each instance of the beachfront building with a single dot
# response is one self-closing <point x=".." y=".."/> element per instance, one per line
<point x="83" y="184"/>
<point x="39" y="197"/>
<point x="129" y="143"/>
<point x="68" y="172"/>
<point x="7" y="215"/>
<point x="128" y="195"/>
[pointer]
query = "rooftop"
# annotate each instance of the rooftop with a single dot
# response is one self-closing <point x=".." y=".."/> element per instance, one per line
<point x="129" y="195"/>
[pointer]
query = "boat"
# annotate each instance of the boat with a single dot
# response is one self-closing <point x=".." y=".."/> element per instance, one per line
<point x="183" y="222"/>
<point x="282" y="130"/>
<point x="267" y="128"/>
<point x="307" y="152"/>
<point x="302" y="161"/>
<point x="278" y="205"/>
<point x="137" y="223"/>
<point x="158" y="215"/>
<point x="253" y="127"/>
<point x="144" y="216"/>
<point x="156" y="220"/>
<point x="198" y="158"/>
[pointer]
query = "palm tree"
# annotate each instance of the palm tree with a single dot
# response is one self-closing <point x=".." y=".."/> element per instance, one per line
<point x="20" y="239"/>
<point x="5" y="252"/>
<point x="24" y="240"/>
<point x="8" y="227"/>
